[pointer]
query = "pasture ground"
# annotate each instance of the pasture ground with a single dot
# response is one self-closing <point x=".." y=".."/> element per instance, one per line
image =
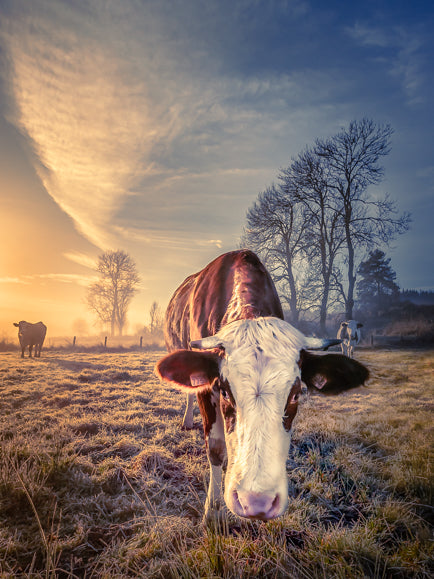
<point x="98" y="480"/>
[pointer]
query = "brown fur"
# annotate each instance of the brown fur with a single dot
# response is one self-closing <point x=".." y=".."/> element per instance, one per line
<point x="232" y="287"/>
<point x="292" y="405"/>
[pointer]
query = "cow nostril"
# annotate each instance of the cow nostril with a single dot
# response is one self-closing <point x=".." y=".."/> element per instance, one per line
<point x="275" y="508"/>
<point x="238" y="508"/>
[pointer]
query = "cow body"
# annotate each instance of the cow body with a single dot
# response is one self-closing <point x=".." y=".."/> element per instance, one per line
<point x="31" y="335"/>
<point x="350" y="334"/>
<point x="235" y="286"/>
<point x="246" y="368"/>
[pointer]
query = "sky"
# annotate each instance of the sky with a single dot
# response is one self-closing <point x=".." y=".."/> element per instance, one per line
<point x="151" y="126"/>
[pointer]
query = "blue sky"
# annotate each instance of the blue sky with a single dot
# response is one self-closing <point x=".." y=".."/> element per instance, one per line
<point x="152" y="126"/>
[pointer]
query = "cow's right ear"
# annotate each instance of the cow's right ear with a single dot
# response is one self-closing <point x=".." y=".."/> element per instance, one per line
<point x="332" y="373"/>
<point x="16" y="325"/>
<point x="188" y="370"/>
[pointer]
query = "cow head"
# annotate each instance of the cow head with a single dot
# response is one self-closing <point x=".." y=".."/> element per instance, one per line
<point x="22" y="326"/>
<point x="258" y="365"/>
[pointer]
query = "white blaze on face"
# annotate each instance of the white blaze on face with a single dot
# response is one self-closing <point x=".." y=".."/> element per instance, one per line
<point x="261" y="367"/>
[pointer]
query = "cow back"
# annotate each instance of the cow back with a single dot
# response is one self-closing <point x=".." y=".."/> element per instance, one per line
<point x="234" y="286"/>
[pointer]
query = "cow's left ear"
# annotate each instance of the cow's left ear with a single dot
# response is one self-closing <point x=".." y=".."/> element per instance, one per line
<point x="331" y="373"/>
<point x="189" y="370"/>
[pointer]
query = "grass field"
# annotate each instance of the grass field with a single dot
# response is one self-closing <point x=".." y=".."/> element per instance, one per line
<point x="97" y="479"/>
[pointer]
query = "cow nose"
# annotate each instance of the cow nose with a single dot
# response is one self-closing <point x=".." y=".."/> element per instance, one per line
<point x="257" y="505"/>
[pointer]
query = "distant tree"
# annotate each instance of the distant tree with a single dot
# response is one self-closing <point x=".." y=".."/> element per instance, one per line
<point x="156" y="317"/>
<point x="110" y="297"/>
<point x="376" y="288"/>
<point x="276" y="230"/>
<point x="351" y="162"/>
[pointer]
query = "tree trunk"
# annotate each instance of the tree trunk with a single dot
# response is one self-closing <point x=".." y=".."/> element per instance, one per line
<point x="323" y="312"/>
<point x="349" y="302"/>
<point x="351" y="283"/>
<point x="293" y="290"/>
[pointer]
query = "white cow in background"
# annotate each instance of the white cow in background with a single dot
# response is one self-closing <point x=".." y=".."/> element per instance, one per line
<point x="349" y="333"/>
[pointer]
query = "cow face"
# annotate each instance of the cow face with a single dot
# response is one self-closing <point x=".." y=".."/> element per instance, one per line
<point x="21" y="332"/>
<point x="256" y="365"/>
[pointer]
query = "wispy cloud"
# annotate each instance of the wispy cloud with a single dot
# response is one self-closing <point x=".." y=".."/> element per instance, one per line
<point x="159" y="239"/>
<point x="68" y="278"/>
<point x="81" y="259"/>
<point x="14" y="280"/>
<point x="91" y="129"/>
<point x="368" y="35"/>
<point x="114" y="104"/>
<point x="400" y="50"/>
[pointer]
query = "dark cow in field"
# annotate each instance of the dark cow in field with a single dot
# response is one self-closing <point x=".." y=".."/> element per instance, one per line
<point x="31" y="335"/>
<point x="246" y="366"/>
<point x="349" y="333"/>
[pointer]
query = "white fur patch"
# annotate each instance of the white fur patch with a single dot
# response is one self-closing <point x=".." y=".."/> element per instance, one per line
<point x="261" y="367"/>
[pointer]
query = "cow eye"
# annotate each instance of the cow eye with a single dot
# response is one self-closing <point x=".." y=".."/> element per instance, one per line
<point x="295" y="398"/>
<point x="225" y="395"/>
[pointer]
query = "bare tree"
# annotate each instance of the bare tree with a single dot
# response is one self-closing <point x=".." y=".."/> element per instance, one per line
<point x="323" y="216"/>
<point x="156" y="317"/>
<point x="110" y="297"/>
<point x="276" y="230"/>
<point x="305" y="180"/>
<point x="351" y="162"/>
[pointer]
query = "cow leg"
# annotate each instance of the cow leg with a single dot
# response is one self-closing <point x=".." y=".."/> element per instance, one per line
<point x="30" y="350"/>
<point x="187" y="421"/>
<point x="209" y="406"/>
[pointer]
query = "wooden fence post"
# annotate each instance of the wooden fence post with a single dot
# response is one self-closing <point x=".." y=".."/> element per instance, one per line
<point x="141" y="341"/>
<point x="105" y="342"/>
<point x="73" y="341"/>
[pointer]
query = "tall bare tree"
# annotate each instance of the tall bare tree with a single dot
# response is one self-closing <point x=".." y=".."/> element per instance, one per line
<point x="276" y="230"/>
<point x="351" y="162"/>
<point x="305" y="180"/>
<point x="323" y="216"/>
<point x="110" y="296"/>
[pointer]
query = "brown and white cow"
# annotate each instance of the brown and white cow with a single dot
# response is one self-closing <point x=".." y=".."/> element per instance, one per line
<point x="31" y="335"/>
<point x="246" y="368"/>
<point x="350" y="334"/>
